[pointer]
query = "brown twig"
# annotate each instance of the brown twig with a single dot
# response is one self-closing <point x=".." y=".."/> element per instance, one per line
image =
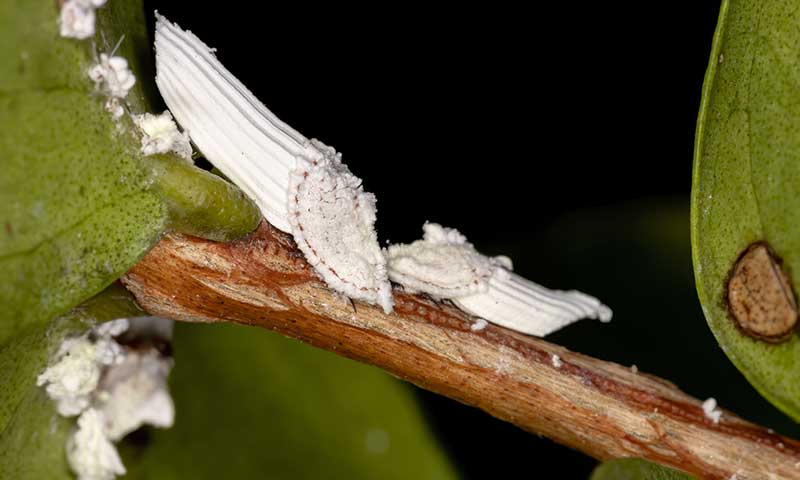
<point x="597" y="407"/>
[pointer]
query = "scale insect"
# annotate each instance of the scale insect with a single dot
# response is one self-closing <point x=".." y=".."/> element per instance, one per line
<point x="443" y="264"/>
<point x="301" y="185"/>
<point x="303" y="188"/>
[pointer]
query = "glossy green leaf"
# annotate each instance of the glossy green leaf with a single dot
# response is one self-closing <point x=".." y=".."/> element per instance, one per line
<point x="636" y="469"/>
<point x="747" y="177"/>
<point x="252" y="404"/>
<point x="79" y="205"/>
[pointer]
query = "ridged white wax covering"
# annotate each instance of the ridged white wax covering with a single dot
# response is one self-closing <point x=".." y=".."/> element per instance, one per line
<point x="443" y="264"/>
<point x="300" y="185"/>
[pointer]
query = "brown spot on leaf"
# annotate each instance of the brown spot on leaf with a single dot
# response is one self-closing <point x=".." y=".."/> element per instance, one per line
<point x="760" y="297"/>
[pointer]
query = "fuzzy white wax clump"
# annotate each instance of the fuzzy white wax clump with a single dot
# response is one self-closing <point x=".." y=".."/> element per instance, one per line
<point x="113" y="78"/>
<point x="72" y="379"/>
<point x="77" y="18"/>
<point x="115" y="390"/>
<point x="160" y="134"/>
<point x="90" y="453"/>
<point x="711" y="411"/>
<point x="479" y="325"/>
<point x="135" y="393"/>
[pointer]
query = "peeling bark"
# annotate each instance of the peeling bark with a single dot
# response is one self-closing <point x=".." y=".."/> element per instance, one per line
<point x="600" y="408"/>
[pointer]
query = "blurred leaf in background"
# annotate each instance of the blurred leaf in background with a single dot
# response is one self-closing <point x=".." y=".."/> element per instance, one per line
<point x="252" y="404"/>
<point x="635" y="469"/>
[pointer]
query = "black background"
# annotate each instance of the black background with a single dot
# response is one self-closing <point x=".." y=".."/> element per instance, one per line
<point x="500" y="121"/>
<point x="447" y="112"/>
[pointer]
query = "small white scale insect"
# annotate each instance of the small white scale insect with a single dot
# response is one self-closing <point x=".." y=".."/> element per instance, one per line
<point x="302" y="187"/>
<point x="443" y="264"/>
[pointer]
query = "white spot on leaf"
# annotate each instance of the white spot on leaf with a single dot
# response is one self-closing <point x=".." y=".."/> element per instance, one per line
<point x="114" y="79"/>
<point x="135" y="393"/>
<point x="77" y="18"/>
<point x="114" y="389"/>
<point x="73" y="378"/>
<point x="161" y="135"/>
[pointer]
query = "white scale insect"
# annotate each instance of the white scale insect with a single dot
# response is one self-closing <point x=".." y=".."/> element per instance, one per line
<point x="303" y="188"/>
<point x="300" y="185"/>
<point x="443" y="264"/>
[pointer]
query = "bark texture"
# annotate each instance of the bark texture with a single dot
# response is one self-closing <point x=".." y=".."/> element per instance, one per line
<point x="600" y="408"/>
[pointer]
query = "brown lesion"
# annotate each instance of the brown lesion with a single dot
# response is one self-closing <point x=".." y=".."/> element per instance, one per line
<point x="600" y="408"/>
<point x="759" y="295"/>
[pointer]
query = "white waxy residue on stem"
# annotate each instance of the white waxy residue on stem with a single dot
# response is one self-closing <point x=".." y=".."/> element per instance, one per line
<point x="479" y="325"/>
<point x="555" y="360"/>
<point x="711" y="411"/>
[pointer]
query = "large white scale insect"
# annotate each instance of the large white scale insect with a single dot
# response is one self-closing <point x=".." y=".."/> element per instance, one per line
<point x="303" y="188"/>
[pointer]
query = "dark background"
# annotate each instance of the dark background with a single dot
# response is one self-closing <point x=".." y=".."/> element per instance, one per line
<point x="559" y="133"/>
<point x="448" y="112"/>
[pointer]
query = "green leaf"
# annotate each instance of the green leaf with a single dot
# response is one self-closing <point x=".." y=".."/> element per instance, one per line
<point x="32" y="434"/>
<point x="636" y="469"/>
<point x="76" y="209"/>
<point x="252" y="404"/>
<point x="747" y="177"/>
<point x="79" y="205"/>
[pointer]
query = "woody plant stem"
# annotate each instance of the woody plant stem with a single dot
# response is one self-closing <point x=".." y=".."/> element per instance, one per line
<point x="600" y="408"/>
